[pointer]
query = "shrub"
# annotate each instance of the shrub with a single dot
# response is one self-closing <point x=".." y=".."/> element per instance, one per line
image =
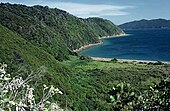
<point x="17" y="94"/>
<point x="157" y="98"/>
<point x="114" y="60"/>
<point x="156" y="63"/>
<point x="122" y="97"/>
<point x="84" y="58"/>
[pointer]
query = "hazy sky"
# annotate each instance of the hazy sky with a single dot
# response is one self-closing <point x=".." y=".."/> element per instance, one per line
<point x="118" y="11"/>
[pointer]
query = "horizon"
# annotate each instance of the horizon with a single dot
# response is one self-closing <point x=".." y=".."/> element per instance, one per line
<point x="118" y="12"/>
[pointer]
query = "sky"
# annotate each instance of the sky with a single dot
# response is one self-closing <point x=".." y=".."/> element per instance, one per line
<point x="118" y="11"/>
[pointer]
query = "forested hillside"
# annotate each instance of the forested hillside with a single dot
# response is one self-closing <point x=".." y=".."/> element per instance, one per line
<point x="54" y="30"/>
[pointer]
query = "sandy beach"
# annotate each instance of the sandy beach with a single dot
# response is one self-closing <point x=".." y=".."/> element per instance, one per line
<point x="120" y="35"/>
<point x="87" y="46"/>
<point x="101" y="42"/>
<point x="126" y="60"/>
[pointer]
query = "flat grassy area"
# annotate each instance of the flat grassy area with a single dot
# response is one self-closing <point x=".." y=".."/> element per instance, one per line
<point x="93" y="79"/>
<point x="138" y="74"/>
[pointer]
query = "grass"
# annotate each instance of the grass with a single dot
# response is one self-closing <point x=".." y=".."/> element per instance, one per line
<point x="96" y="78"/>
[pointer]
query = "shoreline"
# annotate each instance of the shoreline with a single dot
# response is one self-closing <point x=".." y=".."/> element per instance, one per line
<point x="87" y="46"/>
<point x="113" y="36"/>
<point x="119" y="60"/>
<point x="127" y="60"/>
<point x="101" y="42"/>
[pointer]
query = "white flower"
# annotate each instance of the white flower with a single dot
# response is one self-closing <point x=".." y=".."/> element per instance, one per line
<point x="55" y="107"/>
<point x="41" y="106"/>
<point x="22" y="104"/>
<point x="28" y="86"/>
<point x="30" y="94"/>
<point x="56" y="90"/>
<point x="1" y="109"/>
<point x="2" y="75"/>
<point x="5" y="91"/>
<point x="12" y="102"/>
<point x="2" y="71"/>
<point x="2" y="68"/>
<point x="52" y="89"/>
<point x="4" y="65"/>
<point x="7" y="78"/>
<point x="28" y="100"/>
<point x="48" y="102"/>
<point x="59" y="92"/>
<point x="45" y="87"/>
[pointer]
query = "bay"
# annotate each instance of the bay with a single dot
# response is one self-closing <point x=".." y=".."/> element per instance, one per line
<point x="152" y="44"/>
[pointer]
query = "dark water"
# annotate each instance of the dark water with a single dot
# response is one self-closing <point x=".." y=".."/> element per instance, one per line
<point x="139" y="45"/>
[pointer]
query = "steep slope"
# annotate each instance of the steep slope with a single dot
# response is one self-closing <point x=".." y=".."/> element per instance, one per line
<point x="147" y="24"/>
<point x="15" y="51"/>
<point x="103" y="27"/>
<point x="54" y="30"/>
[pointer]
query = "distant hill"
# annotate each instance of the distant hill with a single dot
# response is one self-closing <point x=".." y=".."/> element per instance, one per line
<point x="146" y="24"/>
<point x="53" y="30"/>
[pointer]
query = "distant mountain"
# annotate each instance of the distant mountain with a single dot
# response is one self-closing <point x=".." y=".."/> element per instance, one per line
<point x="146" y="24"/>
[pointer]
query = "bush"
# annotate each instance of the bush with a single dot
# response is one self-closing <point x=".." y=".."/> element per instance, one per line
<point x="157" y="98"/>
<point x="156" y="63"/>
<point x="114" y="60"/>
<point x="17" y="94"/>
<point x="122" y="97"/>
<point x="84" y="58"/>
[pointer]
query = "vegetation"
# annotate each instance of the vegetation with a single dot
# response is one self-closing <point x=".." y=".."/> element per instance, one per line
<point x="17" y="52"/>
<point x="97" y="78"/>
<point x="156" y="98"/>
<point x="98" y="85"/>
<point x="34" y="37"/>
<point x="16" y="93"/>
<point x="85" y="83"/>
<point x="52" y="30"/>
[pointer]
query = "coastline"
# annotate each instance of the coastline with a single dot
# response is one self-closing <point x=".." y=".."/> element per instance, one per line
<point x="119" y="60"/>
<point x="87" y="46"/>
<point x="126" y="60"/>
<point x="101" y="42"/>
<point x="113" y="36"/>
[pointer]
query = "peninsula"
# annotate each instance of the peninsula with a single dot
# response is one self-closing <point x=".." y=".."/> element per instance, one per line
<point x="146" y="24"/>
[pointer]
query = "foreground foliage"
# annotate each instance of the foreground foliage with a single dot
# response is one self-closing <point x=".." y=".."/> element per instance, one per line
<point x="94" y="79"/>
<point x="122" y="97"/>
<point x="17" y="94"/>
<point x="90" y="93"/>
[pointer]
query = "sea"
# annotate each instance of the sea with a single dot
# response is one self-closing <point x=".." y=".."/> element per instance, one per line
<point x="148" y="44"/>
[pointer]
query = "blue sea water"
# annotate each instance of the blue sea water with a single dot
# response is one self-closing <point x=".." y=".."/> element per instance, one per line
<point x="138" y="45"/>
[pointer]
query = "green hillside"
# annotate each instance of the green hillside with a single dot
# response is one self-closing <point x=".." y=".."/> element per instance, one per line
<point x="54" y="30"/>
<point x="17" y="52"/>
